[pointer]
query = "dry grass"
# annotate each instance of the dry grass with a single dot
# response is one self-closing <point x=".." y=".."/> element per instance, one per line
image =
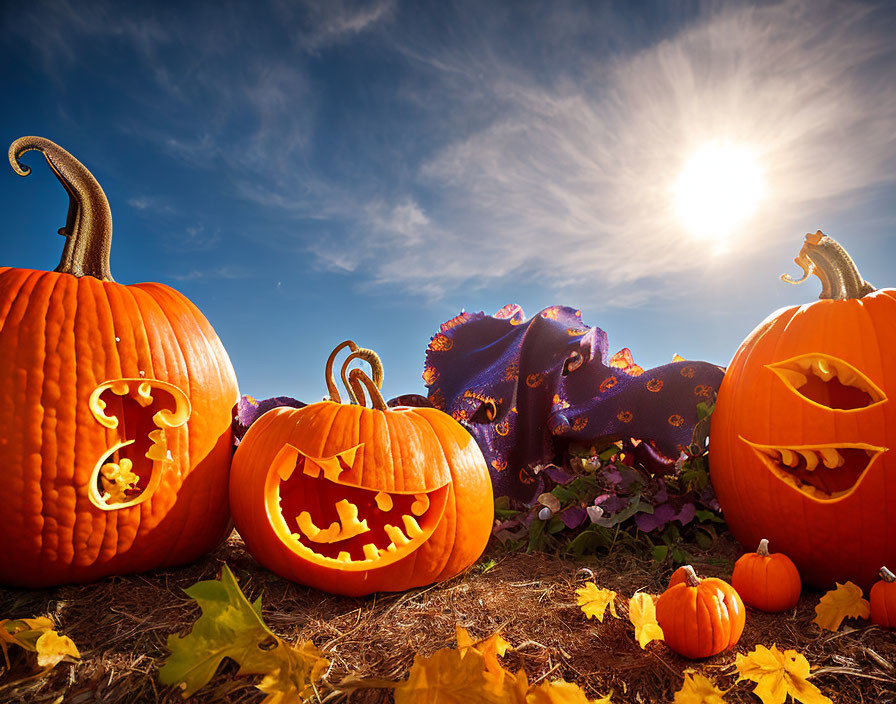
<point x="121" y="625"/>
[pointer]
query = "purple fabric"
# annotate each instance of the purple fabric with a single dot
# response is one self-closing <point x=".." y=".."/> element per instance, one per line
<point x="519" y="386"/>
<point x="249" y="410"/>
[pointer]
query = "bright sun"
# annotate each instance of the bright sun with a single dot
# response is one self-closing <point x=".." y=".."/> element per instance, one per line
<point x="718" y="190"/>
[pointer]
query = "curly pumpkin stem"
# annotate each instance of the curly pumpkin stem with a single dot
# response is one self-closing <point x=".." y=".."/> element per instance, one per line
<point x="357" y="378"/>
<point x="376" y="366"/>
<point x="886" y="575"/>
<point x="353" y="386"/>
<point x="88" y="225"/>
<point x="840" y="278"/>
<point x="332" y="389"/>
<point x="690" y="576"/>
<point x="763" y="548"/>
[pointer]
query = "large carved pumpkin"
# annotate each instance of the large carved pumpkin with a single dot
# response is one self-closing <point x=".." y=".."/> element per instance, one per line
<point x="354" y="500"/>
<point x="802" y="433"/>
<point x="115" y="409"/>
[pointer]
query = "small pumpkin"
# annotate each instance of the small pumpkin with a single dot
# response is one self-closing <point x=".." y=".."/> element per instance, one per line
<point x="803" y="427"/>
<point x="115" y="409"/>
<point x="883" y="600"/>
<point x="354" y="500"/>
<point x="768" y="582"/>
<point x="700" y="617"/>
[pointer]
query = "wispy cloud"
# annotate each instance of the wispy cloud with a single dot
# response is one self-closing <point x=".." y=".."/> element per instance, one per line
<point x="486" y="162"/>
<point x="152" y="205"/>
<point x="572" y="182"/>
<point x="221" y="272"/>
<point x="318" y="24"/>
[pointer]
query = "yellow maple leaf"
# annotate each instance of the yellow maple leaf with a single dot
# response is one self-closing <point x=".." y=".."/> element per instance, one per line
<point x="448" y="676"/>
<point x="594" y="601"/>
<point x="37" y="636"/>
<point x="561" y="692"/>
<point x="490" y="648"/>
<point x="52" y="648"/>
<point x="301" y="666"/>
<point x="698" y="689"/>
<point x="642" y="614"/>
<point x="778" y="674"/>
<point x="843" y="602"/>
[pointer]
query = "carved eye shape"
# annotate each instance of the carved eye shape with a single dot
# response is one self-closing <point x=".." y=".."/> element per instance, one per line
<point x="829" y="382"/>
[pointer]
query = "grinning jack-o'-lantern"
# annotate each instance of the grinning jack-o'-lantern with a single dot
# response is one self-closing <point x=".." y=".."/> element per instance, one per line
<point x="353" y="500"/>
<point x="115" y="409"/>
<point x="803" y="428"/>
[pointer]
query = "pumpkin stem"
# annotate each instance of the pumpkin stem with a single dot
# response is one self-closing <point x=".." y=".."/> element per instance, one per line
<point x="373" y="359"/>
<point x="88" y="225"/>
<point x="763" y="548"/>
<point x="328" y="372"/>
<point x="356" y="378"/>
<point x="690" y="576"/>
<point x="886" y="575"/>
<point x="840" y="278"/>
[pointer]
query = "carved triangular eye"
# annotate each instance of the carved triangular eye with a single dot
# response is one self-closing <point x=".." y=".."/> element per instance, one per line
<point x="829" y="382"/>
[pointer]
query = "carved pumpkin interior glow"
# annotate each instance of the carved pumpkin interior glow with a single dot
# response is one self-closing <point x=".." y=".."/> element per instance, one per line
<point x="803" y="426"/>
<point x="138" y="411"/>
<point x="353" y="500"/>
<point x="352" y="527"/>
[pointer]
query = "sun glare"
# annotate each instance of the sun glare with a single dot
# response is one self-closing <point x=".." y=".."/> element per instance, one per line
<point x="718" y="190"/>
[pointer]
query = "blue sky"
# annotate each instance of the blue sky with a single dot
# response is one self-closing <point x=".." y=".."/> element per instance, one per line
<point x="311" y="171"/>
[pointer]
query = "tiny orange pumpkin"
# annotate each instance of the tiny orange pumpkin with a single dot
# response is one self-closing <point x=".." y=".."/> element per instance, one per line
<point x="765" y="581"/>
<point x="883" y="600"/>
<point x="700" y="617"/>
<point x="354" y="500"/>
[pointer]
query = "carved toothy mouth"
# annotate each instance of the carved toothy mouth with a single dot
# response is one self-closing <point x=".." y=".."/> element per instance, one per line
<point x="341" y="525"/>
<point x="140" y="410"/>
<point x="828" y="472"/>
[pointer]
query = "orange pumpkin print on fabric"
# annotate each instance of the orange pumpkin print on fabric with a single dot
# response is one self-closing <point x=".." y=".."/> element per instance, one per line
<point x="441" y="343"/>
<point x="534" y="380"/>
<point x="608" y="384"/>
<point x="430" y="375"/>
<point x="655" y="385"/>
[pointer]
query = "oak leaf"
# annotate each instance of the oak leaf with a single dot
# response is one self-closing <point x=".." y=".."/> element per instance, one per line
<point x="594" y="601"/>
<point x="490" y="648"/>
<point x="231" y="627"/>
<point x="778" y="674"/>
<point x="843" y="602"/>
<point x="642" y="614"/>
<point x="698" y="689"/>
<point x="561" y="692"/>
<point x="448" y="676"/>
<point x="300" y="667"/>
